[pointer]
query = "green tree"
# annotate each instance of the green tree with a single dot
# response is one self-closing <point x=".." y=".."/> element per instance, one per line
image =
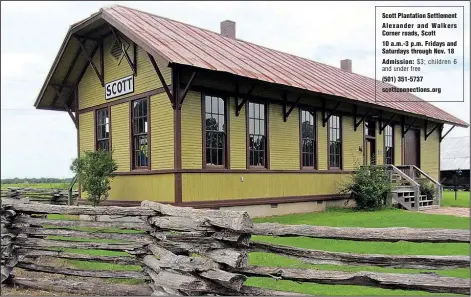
<point x="95" y="170"/>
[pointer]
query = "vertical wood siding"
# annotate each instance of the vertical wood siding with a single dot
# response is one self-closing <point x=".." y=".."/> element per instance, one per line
<point x="397" y="145"/>
<point x="351" y="141"/>
<point x="379" y="145"/>
<point x="238" y="136"/>
<point x="284" y="139"/>
<point x="162" y="142"/>
<point x="91" y="92"/>
<point x="322" y="142"/>
<point x="201" y="186"/>
<point x="86" y="132"/>
<point x="120" y="136"/>
<point x="192" y="136"/>
<point x="429" y="154"/>
<point x="157" y="187"/>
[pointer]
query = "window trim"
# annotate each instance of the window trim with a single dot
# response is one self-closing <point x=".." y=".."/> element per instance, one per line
<point x="227" y="151"/>
<point x="316" y="145"/>
<point x="393" y="144"/>
<point x="95" y="136"/>
<point x="131" y="136"/>
<point x="267" y="134"/>
<point x="341" y="144"/>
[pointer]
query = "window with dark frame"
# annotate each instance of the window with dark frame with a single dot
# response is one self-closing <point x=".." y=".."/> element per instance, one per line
<point x="335" y="142"/>
<point x="257" y="132"/>
<point x="370" y="128"/>
<point x="388" y="145"/>
<point x="102" y="129"/>
<point x="308" y="140"/>
<point x="140" y="150"/>
<point x="215" y="131"/>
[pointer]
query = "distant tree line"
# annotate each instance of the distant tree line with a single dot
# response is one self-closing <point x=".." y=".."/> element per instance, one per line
<point x="42" y="180"/>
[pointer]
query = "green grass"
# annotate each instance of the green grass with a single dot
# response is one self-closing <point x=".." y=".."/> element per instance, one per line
<point x="352" y="218"/>
<point x="274" y="260"/>
<point x="332" y="217"/>
<point x="462" y="199"/>
<point x="370" y="219"/>
<point x="370" y="247"/>
<point x="40" y="186"/>
<point x="329" y="290"/>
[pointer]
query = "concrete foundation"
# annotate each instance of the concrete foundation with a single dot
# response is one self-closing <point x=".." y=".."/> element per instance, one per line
<point x="266" y="210"/>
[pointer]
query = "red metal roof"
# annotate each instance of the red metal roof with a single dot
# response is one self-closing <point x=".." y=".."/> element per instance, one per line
<point x="188" y="45"/>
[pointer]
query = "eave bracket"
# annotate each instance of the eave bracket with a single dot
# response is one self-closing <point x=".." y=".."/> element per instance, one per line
<point x="244" y="99"/>
<point x="324" y="117"/>
<point x="361" y="120"/>
<point x="382" y="127"/>
<point x="403" y="126"/>
<point x="286" y="113"/>
<point x="162" y="80"/>
<point x="447" y="132"/>
<point x="428" y="133"/>
<point x="101" y="76"/>
<point x="187" y="88"/>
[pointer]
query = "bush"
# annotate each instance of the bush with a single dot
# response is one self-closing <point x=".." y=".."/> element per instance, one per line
<point x="95" y="170"/>
<point x="428" y="189"/>
<point x="370" y="187"/>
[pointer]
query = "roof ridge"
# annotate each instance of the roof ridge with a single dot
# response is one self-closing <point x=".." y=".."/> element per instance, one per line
<point x="350" y="79"/>
<point x="242" y="40"/>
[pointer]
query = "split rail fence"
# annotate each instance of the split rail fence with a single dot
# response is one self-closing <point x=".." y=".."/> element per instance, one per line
<point x="186" y="251"/>
<point x="50" y="196"/>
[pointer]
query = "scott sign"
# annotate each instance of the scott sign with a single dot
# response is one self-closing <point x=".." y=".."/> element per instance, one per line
<point x="119" y="87"/>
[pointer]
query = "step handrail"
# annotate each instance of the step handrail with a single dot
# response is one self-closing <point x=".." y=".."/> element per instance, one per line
<point x="426" y="175"/>
<point x="405" y="176"/>
<point x="438" y="186"/>
<point x="413" y="183"/>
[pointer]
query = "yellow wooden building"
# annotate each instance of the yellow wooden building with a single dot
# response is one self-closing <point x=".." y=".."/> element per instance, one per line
<point x="204" y="119"/>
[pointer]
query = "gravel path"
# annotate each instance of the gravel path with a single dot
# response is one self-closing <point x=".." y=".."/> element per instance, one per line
<point x="452" y="211"/>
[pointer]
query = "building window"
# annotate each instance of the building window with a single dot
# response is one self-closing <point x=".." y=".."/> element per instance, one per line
<point x="308" y="140"/>
<point x="102" y="123"/>
<point x="370" y="128"/>
<point x="215" y="131"/>
<point x="140" y="151"/>
<point x="257" y="131"/>
<point x="335" y="142"/>
<point x="388" y="145"/>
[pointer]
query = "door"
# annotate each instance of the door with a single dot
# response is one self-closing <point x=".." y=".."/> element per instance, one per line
<point x="370" y="152"/>
<point x="412" y="148"/>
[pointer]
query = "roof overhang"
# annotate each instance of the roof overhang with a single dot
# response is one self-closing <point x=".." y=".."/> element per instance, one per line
<point x="70" y="64"/>
<point x="232" y="77"/>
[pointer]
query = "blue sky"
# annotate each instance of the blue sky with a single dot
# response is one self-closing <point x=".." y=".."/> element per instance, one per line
<point x="37" y="143"/>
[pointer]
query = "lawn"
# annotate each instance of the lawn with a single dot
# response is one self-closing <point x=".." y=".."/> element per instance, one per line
<point x="351" y="218"/>
<point x="332" y="217"/>
<point x="462" y="199"/>
<point x="41" y="186"/>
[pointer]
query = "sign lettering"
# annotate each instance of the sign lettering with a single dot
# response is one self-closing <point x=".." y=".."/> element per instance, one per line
<point x="119" y="87"/>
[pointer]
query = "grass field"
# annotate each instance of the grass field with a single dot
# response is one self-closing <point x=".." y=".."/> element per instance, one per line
<point x="333" y="217"/>
<point x="462" y="199"/>
<point x="41" y="186"/>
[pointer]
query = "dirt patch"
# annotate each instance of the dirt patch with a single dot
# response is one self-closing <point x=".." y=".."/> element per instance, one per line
<point x="451" y="211"/>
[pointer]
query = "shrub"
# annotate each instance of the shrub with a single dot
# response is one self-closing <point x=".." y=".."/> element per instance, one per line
<point x="369" y="186"/>
<point x="428" y="189"/>
<point x="95" y="170"/>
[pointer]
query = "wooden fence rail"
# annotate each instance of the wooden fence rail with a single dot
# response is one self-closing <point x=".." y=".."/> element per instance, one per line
<point x="49" y="196"/>
<point x="186" y="251"/>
